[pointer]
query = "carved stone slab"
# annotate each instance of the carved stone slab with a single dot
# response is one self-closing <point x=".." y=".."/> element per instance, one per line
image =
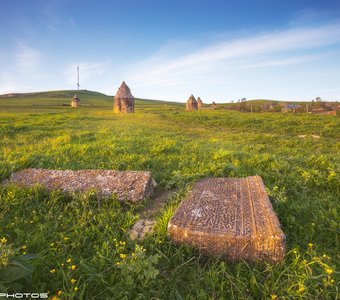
<point x="232" y="217"/>
<point x="126" y="185"/>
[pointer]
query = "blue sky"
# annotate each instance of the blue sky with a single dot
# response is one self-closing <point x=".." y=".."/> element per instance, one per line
<point x="218" y="50"/>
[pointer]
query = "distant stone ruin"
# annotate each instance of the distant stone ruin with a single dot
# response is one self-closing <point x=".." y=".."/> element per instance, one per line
<point x="199" y="103"/>
<point x="191" y="104"/>
<point x="213" y="105"/>
<point x="75" y="101"/>
<point x="124" y="102"/>
<point x="231" y="217"/>
<point x="132" y="186"/>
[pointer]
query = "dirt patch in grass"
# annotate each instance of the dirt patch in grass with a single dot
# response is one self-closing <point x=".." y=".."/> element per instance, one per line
<point x="157" y="203"/>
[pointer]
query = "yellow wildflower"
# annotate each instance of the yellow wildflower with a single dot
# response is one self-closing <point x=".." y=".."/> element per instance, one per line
<point x="73" y="281"/>
<point x="59" y="293"/>
<point x="65" y="238"/>
<point x="73" y="267"/>
<point x="329" y="271"/>
<point x="75" y="288"/>
<point x="52" y="271"/>
<point x="310" y="245"/>
<point x="52" y="244"/>
<point x="122" y="256"/>
<point x="273" y="296"/>
<point x="3" y="240"/>
<point x="23" y="247"/>
<point x="69" y="260"/>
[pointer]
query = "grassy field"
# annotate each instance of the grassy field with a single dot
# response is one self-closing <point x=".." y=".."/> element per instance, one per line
<point x="65" y="245"/>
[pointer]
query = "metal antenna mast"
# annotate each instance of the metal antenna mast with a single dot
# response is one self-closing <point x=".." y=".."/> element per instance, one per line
<point x="78" y="77"/>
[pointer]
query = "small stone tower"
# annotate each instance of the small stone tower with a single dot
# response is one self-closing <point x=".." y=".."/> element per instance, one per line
<point x="199" y="103"/>
<point x="124" y="102"/>
<point x="191" y="104"/>
<point x="75" y="101"/>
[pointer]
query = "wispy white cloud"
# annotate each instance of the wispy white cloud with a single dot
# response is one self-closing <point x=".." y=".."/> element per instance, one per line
<point x="27" y="59"/>
<point x="201" y="66"/>
<point x="88" y="71"/>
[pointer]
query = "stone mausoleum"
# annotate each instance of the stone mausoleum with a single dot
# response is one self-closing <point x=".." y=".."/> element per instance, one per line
<point x="199" y="103"/>
<point x="124" y="102"/>
<point x="75" y="101"/>
<point x="191" y="104"/>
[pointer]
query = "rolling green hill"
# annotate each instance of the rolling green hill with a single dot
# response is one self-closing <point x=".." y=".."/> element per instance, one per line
<point x="63" y="98"/>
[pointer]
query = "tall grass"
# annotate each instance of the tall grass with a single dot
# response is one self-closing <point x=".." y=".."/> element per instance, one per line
<point x="82" y="251"/>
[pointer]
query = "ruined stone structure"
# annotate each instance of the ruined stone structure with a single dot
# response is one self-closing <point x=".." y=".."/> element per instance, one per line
<point x="75" y="101"/>
<point x="213" y="105"/>
<point x="199" y="103"/>
<point x="130" y="186"/>
<point x="231" y="217"/>
<point x="124" y="102"/>
<point x="191" y="104"/>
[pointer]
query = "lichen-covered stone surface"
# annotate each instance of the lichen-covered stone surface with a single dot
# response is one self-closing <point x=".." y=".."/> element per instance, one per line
<point x="232" y="217"/>
<point x="140" y="229"/>
<point x="130" y="186"/>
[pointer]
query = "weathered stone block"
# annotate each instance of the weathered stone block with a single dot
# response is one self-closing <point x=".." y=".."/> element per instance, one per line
<point x="126" y="185"/>
<point x="231" y="217"/>
<point x="140" y="229"/>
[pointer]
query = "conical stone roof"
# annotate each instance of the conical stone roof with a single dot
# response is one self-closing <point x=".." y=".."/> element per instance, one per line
<point x="75" y="98"/>
<point x="192" y="99"/>
<point x="124" y="92"/>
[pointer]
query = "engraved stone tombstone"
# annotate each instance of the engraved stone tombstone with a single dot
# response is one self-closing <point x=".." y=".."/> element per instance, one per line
<point x="231" y="217"/>
<point x="125" y="185"/>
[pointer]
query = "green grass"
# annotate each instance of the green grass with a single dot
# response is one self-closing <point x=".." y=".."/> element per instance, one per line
<point x="301" y="174"/>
